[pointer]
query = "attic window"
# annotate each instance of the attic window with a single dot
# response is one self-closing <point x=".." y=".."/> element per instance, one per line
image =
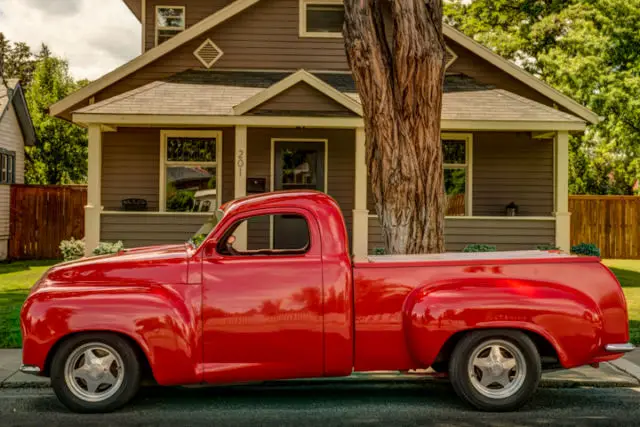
<point x="321" y="18"/>
<point x="208" y="53"/>
<point x="170" y="21"/>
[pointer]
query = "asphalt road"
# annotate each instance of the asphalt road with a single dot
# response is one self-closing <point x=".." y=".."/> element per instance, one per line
<point x="385" y="404"/>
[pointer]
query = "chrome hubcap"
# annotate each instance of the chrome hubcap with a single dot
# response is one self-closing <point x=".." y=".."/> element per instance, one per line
<point x="94" y="372"/>
<point x="497" y="369"/>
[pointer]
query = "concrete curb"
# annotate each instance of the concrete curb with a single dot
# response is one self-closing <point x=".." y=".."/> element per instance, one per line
<point x="627" y="367"/>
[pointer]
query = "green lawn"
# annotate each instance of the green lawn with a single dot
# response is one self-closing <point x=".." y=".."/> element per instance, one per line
<point x="16" y="279"/>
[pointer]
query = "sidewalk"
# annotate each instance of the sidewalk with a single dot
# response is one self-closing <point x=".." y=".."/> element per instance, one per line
<point x="620" y="373"/>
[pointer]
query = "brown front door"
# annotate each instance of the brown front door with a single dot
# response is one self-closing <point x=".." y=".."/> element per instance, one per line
<point x="298" y="166"/>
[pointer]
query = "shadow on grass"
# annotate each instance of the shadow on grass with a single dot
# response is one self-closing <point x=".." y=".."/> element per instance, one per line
<point x="10" y="304"/>
<point x="17" y="266"/>
<point x="627" y="278"/>
<point x="634" y="331"/>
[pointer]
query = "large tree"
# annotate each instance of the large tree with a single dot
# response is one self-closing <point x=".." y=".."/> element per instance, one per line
<point x="396" y="52"/>
<point x="16" y="61"/>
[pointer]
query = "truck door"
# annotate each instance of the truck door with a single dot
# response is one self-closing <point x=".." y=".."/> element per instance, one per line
<point x="262" y="305"/>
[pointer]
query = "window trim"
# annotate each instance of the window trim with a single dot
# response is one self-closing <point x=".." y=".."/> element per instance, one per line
<point x="164" y="135"/>
<point x="159" y="28"/>
<point x="10" y="165"/>
<point x="467" y="138"/>
<point x="302" y="11"/>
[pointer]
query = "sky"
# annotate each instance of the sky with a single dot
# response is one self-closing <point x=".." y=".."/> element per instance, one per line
<point x="95" y="36"/>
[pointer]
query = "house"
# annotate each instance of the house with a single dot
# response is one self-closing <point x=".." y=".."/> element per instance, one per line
<point x="16" y="131"/>
<point x="247" y="96"/>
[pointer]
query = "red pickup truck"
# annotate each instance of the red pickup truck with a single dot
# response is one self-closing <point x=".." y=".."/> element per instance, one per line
<point x="212" y="311"/>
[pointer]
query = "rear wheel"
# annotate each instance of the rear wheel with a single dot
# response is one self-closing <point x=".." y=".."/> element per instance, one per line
<point x="495" y="370"/>
<point x="95" y="373"/>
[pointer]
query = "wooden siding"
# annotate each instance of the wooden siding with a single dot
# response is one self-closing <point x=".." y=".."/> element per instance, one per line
<point x="506" y="234"/>
<point x="131" y="166"/>
<point x="509" y="167"/>
<point x="341" y="169"/>
<point x="299" y="100"/>
<point x="10" y="139"/>
<point x="136" y="230"/>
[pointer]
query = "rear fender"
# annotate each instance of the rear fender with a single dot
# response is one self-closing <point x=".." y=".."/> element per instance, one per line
<point x="567" y="318"/>
<point x="160" y="319"/>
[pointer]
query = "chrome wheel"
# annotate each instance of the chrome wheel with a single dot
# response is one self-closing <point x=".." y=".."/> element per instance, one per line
<point x="497" y="369"/>
<point x="94" y="372"/>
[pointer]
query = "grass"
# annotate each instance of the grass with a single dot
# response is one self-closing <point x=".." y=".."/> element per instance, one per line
<point x="15" y="281"/>
<point x="17" y="278"/>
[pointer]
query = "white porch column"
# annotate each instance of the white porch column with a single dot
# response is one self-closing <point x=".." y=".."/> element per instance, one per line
<point x="563" y="217"/>
<point x="94" y="189"/>
<point x="240" y="180"/>
<point x="360" y="211"/>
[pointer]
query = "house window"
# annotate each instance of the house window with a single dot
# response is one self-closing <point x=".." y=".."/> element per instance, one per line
<point x="7" y="167"/>
<point x="321" y="18"/>
<point x="190" y="176"/>
<point x="456" y="150"/>
<point x="170" y="21"/>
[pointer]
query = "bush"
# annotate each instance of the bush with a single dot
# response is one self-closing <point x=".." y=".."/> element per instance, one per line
<point x="72" y="249"/>
<point x="480" y="248"/>
<point x="585" y="249"/>
<point x="549" y="247"/>
<point x="379" y="251"/>
<point x="108" y="248"/>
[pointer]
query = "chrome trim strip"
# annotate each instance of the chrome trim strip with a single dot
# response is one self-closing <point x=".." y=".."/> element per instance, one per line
<point x="30" y="369"/>
<point x="620" y="348"/>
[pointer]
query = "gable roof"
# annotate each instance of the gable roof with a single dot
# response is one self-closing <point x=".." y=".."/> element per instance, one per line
<point x="240" y="5"/>
<point x="12" y="95"/>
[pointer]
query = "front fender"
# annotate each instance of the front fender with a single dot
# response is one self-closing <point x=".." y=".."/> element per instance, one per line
<point x="567" y="318"/>
<point x="162" y="319"/>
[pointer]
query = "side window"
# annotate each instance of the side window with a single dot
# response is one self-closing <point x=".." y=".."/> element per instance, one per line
<point x="272" y="235"/>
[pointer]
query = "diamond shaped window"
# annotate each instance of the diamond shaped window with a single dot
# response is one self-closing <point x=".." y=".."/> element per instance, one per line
<point x="208" y="53"/>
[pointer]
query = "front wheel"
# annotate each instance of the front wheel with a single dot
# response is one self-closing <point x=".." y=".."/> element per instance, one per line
<point x="495" y="370"/>
<point x="95" y="373"/>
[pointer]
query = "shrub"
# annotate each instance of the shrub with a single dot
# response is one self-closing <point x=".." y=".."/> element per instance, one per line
<point x="108" y="248"/>
<point x="379" y="251"/>
<point x="72" y="249"/>
<point x="480" y="248"/>
<point x="549" y="247"/>
<point x="586" y="249"/>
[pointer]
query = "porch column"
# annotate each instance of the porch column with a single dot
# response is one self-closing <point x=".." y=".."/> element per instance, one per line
<point x="94" y="189"/>
<point x="563" y="217"/>
<point x="360" y="211"/>
<point x="240" y="180"/>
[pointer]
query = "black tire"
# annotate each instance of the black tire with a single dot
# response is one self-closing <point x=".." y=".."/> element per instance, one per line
<point x="124" y="393"/>
<point x="461" y="380"/>
<point x="441" y="367"/>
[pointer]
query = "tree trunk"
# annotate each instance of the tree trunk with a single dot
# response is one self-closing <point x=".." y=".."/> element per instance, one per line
<point x="396" y="52"/>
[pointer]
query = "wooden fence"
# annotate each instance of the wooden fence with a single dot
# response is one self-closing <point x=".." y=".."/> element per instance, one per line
<point x="610" y="222"/>
<point x="42" y="216"/>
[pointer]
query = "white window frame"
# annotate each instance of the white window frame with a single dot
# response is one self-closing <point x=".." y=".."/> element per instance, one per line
<point x="164" y="163"/>
<point x="159" y="28"/>
<point x="467" y="139"/>
<point x="303" y="19"/>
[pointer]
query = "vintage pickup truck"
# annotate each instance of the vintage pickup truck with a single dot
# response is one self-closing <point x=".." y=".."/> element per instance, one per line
<point x="212" y="311"/>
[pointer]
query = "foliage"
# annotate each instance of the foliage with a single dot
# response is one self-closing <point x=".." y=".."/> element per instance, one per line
<point x="549" y="247"/>
<point x="180" y="200"/>
<point x="60" y="155"/>
<point x="105" y="248"/>
<point x="17" y="60"/>
<point x="587" y="49"/>
<point x="480" y="248"/>
<point x="585" y="249"/>
<point x="379" y="251"/>
<point x="72" y="249"/>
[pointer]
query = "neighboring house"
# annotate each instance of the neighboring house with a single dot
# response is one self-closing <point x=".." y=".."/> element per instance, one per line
<point x="247" y="96"/>
<point x="16" y="131"/>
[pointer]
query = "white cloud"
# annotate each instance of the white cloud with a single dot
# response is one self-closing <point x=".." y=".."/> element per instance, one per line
<point x="95" y="36"/>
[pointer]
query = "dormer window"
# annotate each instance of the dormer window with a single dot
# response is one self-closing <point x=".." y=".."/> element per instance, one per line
<point x="170" y="21"/>
<point x="321" y="18"/>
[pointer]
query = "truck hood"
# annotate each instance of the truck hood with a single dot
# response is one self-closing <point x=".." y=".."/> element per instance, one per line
<point x="152" y="264"/>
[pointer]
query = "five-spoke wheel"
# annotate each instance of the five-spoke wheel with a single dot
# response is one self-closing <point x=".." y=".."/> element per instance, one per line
<point x="495" y="370"/>
<point x="95" y="372"/>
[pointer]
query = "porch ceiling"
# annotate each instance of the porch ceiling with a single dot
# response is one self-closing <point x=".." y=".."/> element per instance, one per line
<point x="215" y="93"/>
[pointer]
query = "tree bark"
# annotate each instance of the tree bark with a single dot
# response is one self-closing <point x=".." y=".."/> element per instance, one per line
<point x="396" y="52"/>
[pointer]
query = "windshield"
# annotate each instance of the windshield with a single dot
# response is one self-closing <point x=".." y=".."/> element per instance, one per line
<point x="206" y="228"/>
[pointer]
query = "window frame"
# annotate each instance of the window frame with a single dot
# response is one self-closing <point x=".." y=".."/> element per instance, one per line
<point x="158" y="28"/>
<point x="164" y="164"/>
<point x="303" y="19"/>
<point x="7" y="167"/>
<point x="467" y="139"/>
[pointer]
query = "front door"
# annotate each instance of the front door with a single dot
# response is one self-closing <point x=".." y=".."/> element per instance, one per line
<point x="298" y="166"/>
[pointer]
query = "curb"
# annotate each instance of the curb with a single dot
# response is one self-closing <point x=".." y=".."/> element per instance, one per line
<point x="627" y="367"/>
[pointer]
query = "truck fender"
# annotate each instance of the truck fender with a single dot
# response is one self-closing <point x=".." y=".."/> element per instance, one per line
<point x="567" y="318"/>
<point x="157" y="318"/>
